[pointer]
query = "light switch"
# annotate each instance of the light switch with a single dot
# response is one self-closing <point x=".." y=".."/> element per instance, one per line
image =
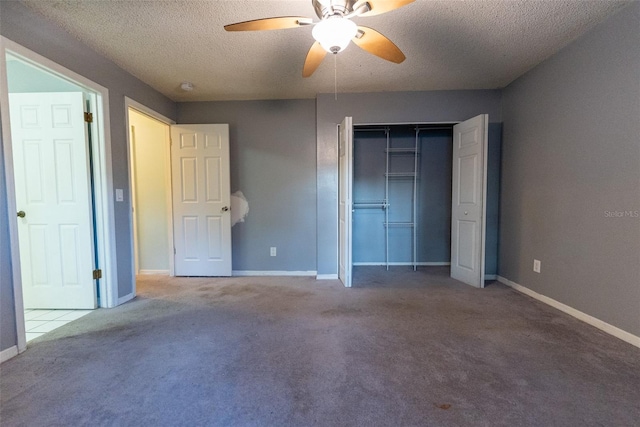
<point x="119" y="195"/>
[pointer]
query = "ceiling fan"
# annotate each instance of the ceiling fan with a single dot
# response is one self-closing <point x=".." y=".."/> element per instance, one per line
<point x="335" y="29"/>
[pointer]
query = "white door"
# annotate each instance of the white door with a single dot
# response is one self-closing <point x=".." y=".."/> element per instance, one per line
<point x="201" y="199"/>
<point x="345" y="171"/>
<point x="55" y="234"/>
<point x="468" y="200"/>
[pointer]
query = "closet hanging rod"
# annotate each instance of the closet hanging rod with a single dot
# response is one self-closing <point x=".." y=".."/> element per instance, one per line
<point x="398" y="224"/>
<point x="370" y="205"/>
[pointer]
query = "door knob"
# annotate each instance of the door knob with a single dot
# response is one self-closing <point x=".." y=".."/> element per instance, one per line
<point x="225" y="209"/>
<point x="466" y="213"/>
<point x="21" y="214"/>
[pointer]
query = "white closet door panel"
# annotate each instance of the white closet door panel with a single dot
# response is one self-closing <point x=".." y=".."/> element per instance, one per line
<point x="468" y="200"/>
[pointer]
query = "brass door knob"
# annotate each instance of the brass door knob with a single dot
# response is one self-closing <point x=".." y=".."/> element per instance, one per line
<point x="225" y="209"/>
<point x="21" y="214"/>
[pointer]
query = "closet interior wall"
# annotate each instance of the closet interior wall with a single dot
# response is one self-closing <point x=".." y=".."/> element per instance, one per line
<point x="402" y="195"/>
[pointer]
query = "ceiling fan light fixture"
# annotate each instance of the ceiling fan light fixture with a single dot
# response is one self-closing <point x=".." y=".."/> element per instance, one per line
<point x="334" y="33"/>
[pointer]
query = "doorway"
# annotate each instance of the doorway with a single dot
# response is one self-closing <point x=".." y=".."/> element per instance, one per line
<point x="57" y="157"/>
<point x="187" y="168"/>
<point x="150" y="170"/>
<point x="391" y="203"/>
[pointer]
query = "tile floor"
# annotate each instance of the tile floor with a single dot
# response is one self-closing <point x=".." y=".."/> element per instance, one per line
<point x="39" y="322"/>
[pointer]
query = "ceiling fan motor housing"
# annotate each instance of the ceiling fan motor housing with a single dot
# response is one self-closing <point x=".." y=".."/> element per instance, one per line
<point x="327" y="8"/>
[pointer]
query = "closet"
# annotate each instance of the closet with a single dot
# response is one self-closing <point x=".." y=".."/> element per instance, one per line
<point x="402" y="195"/>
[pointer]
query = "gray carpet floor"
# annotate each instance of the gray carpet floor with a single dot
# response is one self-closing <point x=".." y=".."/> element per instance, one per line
<point x="400" y="348"/>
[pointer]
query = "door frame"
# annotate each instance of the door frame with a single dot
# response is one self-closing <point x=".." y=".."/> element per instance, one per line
<point x="131" y="104"/>
<point x="102" y="175"/>
<point x="447" y="123"/>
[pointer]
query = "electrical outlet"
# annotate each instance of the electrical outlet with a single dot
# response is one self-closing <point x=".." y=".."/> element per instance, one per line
<point x="536" y="265"/>
<point x="272" y="251"/>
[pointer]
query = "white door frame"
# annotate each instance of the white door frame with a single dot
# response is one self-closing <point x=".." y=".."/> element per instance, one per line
<point x="131" y="104"/>
<point x="102" y="174"/>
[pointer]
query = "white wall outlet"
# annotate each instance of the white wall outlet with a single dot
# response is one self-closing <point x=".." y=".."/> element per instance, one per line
<point x="272" y="251"/>
<point x="119" y="195"/>
<point x="536" y="265"/>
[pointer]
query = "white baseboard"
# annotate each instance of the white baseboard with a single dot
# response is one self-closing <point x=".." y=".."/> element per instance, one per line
<point x="126" y="298"/>
<point x="250" y="273"/>
<point x="603" y="326"/>
<point x="8" y="353"/>
<point x="327" y="277"/>
<point x="490" y="277"/>
<point x="422" y="264"/>
<point x="158" y="272"/>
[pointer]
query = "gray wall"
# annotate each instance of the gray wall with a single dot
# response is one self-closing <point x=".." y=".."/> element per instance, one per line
<point x="273" y="163"/>
<point x="32" y="31"/>
<point x="392" y="107"/>
<point x="571" y="174"/>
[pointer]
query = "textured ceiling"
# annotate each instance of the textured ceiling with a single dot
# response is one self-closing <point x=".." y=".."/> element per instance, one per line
<point x="449" y="44"/>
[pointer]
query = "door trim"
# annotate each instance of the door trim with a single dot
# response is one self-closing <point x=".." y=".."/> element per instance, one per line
<point x="143" y="109"/>
<point x="103" y="178"/>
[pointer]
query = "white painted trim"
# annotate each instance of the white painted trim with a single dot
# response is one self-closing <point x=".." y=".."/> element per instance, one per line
<point x="158" y="272"/>
<point x="130" y="103"/>
<point x="485" y="186"/>
<point x="126" y="298"/>
<point x="422" y="264"/>
<point x="327" y="277"/>
<point x="490" y="277"/>
<point x="247" y="273"/>
<point x="8" y="353"/>
<point x="603" y="326"/>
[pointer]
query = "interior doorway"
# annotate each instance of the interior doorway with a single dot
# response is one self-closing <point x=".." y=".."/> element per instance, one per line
<point x="57" y="157"/>
<point x="150" y="166"/>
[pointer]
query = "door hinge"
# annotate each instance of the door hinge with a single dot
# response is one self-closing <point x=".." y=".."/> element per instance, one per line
<point x="97" y="274"/>
<point x="88" y="117"/>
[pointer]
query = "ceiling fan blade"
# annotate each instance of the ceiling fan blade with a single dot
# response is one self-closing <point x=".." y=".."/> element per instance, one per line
<point x="314" y="58"/>
<point x="377" y="44"/>
<point x="376" y="7"/>
<point x="277" y="23"/>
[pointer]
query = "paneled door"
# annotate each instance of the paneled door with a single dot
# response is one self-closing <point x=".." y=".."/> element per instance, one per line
<point x="201" y="199"/>
<point x="53" y="197"/>
<point x="468" y="200"/>
<point x="345" y="185"/>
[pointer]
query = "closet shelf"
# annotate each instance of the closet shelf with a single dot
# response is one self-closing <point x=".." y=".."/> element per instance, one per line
<point x="400" y="174"/>
<point x="402" y="151"/>
<point x="399" y="224"/>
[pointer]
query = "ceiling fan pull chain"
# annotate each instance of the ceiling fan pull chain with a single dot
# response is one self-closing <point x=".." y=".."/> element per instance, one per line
<point x="335" y="75"/>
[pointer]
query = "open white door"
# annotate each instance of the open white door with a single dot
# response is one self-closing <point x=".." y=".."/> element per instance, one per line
<point x="53" y="197"/>
<point x="345" y="172"/>
<point x="201" y="199"/>
<point x="469" y="200"/>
